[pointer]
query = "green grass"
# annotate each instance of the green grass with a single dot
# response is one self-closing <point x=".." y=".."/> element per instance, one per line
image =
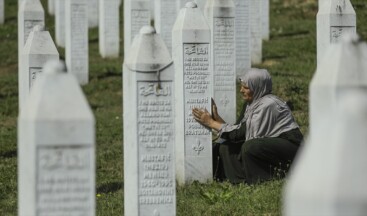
<point x="289" y="56"/>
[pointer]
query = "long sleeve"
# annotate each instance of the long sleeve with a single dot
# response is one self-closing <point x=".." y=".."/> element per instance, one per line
<point x="237" y="132"/>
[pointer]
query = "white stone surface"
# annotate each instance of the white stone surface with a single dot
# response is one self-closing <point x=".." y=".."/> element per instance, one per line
<point x="51" y="6"/>
<point x="243" y="39"/>
<point x="265" y="19"/>
<point x="76" y="39"/>
<point x="93" y="13"/>
<point x="56" y="148"/>
<point x="30" y="14"/>
<point x="200" y="3"/>
<point x="334" y="19"/>
<point x="193" y="88"/>
<point x="136" y="15"/>
<point x="256" y="31"/>
<point x="330" y="175"/>
<point x="2" y="12"/>
<point x="38" y="49"/>
<point x="109" y="28"/>
<point x="60" y="22"/>
<point x="149" y="136"/>
<point x="164" y="17"/>
<point x="221" y="19"/>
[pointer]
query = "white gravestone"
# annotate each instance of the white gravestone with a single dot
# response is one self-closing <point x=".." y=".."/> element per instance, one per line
<point x="76" y="39"/>
<point x="56" y="148"/>
<point x="51" y="6"/>
<point x="164" y="17"/>
<point x="243" y="39"/>
<point x="193" y="85"/>
<point x="256" y="31"/>
<point x="109" y="28"/>
<point x="329" y="177"/>
<point x="93" y="13"/>
<point x="221" y="19"/>
<point x="2" y="12"/>
<point x="265" y="13"/>
<point x="60" y="22"/>
<point x="149" y="136"/>
<point x="136" y="15"/>
<point x="334" y="19"/>
<point x="200" y="3"/>
<point x="38" y="49"/>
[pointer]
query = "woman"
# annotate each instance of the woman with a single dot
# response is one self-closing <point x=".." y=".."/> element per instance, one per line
<point x="263" y="142"/>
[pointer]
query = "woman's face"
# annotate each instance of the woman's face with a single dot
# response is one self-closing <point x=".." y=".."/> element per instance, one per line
<point x="246" y="93"/>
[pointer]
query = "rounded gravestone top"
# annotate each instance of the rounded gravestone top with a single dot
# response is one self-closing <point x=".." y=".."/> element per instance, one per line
<point x="191" y="5"/>
<point x="54" y="67"/>
<point x="38" y="28"/>
<point x="147" y="30"/>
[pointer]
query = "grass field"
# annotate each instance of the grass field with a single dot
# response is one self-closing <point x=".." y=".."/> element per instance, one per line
<point x="289" y="55"/>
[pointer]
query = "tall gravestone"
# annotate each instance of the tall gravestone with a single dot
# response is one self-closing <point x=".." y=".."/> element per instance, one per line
<point x="2" y="12"/>
<point x="256" y="31"/>
<point x="193" y="88"/>
<point x="200" y="3"/>
<point x="243" y="39"/>
<point x="329" y="177"/>
<point x="51" y="6"/>
<point x="56" y="148"/>
<point x="93" y="13"/>
<point x="76" y="39"/>
<point x="136" y="15"/>
<point x="109" y="28"/>
<point x="60" y="22"/>
<point x="164" y="17"/>
<point x="265" y="13"/>
<point x="38" y="49"/>
<point x="221" y="19"/>
<point x="149" y="136"/>
<point x="334" y="19"/>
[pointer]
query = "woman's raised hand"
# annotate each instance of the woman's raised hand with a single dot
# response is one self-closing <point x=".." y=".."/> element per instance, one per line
<point x="215" y="115"/>
<point x="205" y="118"/>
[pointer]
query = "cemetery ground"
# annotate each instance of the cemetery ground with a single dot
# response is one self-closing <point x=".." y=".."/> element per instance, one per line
<point x="290" y="56"/>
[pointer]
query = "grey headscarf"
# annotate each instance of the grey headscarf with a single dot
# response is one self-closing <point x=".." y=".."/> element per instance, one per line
<point x="266" y="115"/>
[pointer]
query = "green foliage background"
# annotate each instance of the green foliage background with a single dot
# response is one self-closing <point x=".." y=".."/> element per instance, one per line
<point x="289" y="55"/>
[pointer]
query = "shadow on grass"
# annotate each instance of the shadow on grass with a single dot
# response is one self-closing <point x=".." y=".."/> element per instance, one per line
<point x="8" y="154"/>
<point x="110" y="187"/>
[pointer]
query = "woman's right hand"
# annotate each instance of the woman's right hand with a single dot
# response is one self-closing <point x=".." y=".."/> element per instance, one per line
<point x="215" y="114"/>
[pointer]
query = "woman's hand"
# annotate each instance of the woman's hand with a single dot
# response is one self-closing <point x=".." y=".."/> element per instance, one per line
<point x="216" y="116"/>
<point x="205" y="118"/>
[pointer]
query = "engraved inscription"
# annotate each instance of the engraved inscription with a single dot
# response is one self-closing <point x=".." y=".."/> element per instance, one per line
<point x="139" y="18"/>
<point x="337" y="32"/>
<point x="197" y="87"/>
<point x="64" y="185"/>
<point x="243" y="35"/>
<point x="156" y="147"/>
<point x="168" y="18"/>
<point x="34" y="72"/>
<point x="79" y="38"/>
<point x="28" y="27"/>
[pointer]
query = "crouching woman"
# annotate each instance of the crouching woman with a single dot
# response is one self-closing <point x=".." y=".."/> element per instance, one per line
<point x="263" y="142"/>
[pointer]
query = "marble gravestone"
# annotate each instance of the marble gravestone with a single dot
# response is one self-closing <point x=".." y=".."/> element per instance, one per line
<point x="243" y="39"/>
<point x="200" y="3"/>
<point x="256" y="31"/>
<point x="330" y="175"/>
<point x="38" y="49"/>
<point x="56" y="148"/>
<point x="2" y="12"/>
<point x="109" y="29"/>
<point x="149" y="149"/>
<point x="265" y="19"/>
<point x="60" y="22"/>
<point x="136" y="15"/>
<point x="334" y="19"/>
<point x="164" y="17"/>
<point x="76" y="39"/>
<point x="93" y="13"/>
<point x="193" y="88"/>
<point x="51" y="6"/>
<point x="221" y="19"/>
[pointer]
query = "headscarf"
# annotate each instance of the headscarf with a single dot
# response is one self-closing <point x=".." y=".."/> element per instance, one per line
<point x="266" y="115"/>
